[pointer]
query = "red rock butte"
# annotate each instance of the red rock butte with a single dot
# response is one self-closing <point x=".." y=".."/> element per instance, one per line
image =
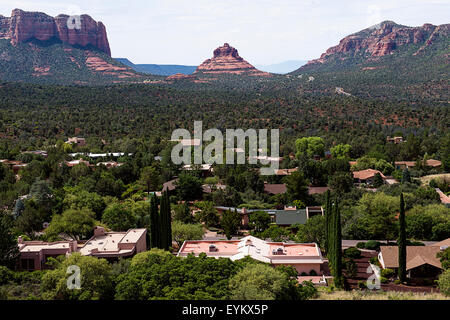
<point x="385" y="38"/>
<point x="23" y="26"/>
<point x="226" y="59"/>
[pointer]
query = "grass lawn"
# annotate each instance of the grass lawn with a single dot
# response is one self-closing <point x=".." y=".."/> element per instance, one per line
<point x="426" y="179"/>
<point x="324" y="294"/>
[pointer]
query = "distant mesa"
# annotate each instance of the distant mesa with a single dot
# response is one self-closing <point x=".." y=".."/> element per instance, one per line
<point x="384" y="39"/>
<point x="180" y="76"/>
<point x="226" y="60"/>
<point x="25" y="26"/>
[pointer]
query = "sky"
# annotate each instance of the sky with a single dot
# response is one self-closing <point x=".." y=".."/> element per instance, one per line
<point x="264" y="31"/>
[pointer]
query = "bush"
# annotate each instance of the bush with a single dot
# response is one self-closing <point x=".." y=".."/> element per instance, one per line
<point x="397" y="281"/>
<point x="361" y="245"/>
<point x="387" y="273"/>
<point x="303" y="274"/>
<point x="444" y="282"/>
<point x="374" y="260"/>
<point x="352" y="253"/>
<point x="372" y="245"/>
<point x="313" y="273"/>
<point x="383" y="280"/>
<point x="350" y="268"/>
<point x="5" y="275"/>
<point x="362" y="284"/>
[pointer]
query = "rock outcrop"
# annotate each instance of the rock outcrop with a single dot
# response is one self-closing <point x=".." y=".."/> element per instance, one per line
<point x="81" y="31"/>
<point x="384" y="39"/>
<point x="180" y="76"/>
<point x="226" y="59"/>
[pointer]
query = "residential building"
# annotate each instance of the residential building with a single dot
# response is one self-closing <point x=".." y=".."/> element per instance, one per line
<point x="34" y="254"/>
<point x="421" y="261"/>
<point x="317" y="190"/>
<point x="306" y="258"/>
<point x="109" y="245"/>
<point x="114" y="245"/>
<point x="77" y="141"/>
<point x="445" y="200"/>
<point x="367" y="176"/>
<point x="275" y="188"/>
<point x="291" y="215"/>
<point x="74" y="163"/>
<point x="395" y="140"/>
<point x="42" y="153"/>
<point x="205" y="169"/>
<point x="401" y="165"/>
<point x="285" y="172"/>
<point x="284" y="218"/>
<point x="109" y="164"/>
<point x="188" y="142"/>
<point x="14" y="165"/>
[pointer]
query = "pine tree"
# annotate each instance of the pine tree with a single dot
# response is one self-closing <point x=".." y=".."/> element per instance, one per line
<point x="402" y="242"/>
<point x="9" y="251"/>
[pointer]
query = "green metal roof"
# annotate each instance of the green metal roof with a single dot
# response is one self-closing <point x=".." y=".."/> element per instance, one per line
<point x="289" y="217"/>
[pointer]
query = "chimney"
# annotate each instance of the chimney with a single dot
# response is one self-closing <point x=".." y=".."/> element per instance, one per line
<point x="20" y="240"/>
<point x="99" y="231"/>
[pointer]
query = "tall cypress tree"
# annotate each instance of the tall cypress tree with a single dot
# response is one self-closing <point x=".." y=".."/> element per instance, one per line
<point x="154" y="223"/>
<point x="331" y="234"/>
<point x="339" y="281"/>
<point x="163" y="222"/>
<point x="402" y="242"/>
<point x="327" y="218"/>
<point x="168" y="221"/>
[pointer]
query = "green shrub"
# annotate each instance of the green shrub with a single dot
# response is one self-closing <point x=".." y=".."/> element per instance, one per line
<point x="5" y="275"/>
<point x="444" y="282"/>
<point x="387" y="273"/>
<point x="313" y="273"/>
<point x="397" y="281"/>
<point x="374" y="260"/>
<point x="303" y="274"/>
<point x="362" y="284"/>
<point x="352" y="253"/>
<point x="372" y="245"/>
<point x="350" y="268"/>
<point x="361" y="245"/>
<point x="384" y="280"/>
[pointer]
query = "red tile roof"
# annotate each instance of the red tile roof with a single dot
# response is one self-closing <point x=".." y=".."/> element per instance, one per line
<point x="366" y="174"/>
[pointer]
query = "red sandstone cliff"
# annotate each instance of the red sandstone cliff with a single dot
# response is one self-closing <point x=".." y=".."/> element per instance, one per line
<point x="23" y="26"/>
<point x="385" y="38"/>
<point x="226" y="59"/>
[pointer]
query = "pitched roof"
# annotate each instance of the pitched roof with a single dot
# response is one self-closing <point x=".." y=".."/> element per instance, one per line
<point x="275" y="188"/>
<point x="415" y="256"/>
<point x="444" y="198"/>
<point x="443" y="243"/>
<point x="169" y="185"/>
<point x="366" y="174"/>
<point x="433" y="163"/>
<point x="317" y="190"/>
